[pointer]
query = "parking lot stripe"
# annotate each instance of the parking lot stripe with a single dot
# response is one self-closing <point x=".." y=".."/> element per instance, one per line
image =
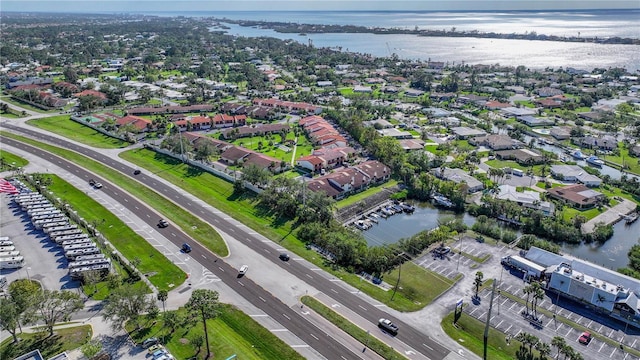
<point x="613" y="352"/>
<point x="509" y="328"/>
<point x="568" y="332"/>
<point x="600" y="328"/>
<point x="601" y="346"/>
<point x="500" y="323"/>
<point x="610" y="333"/>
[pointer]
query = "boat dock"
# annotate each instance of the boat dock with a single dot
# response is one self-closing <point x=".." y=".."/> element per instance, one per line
<point x="611" y="216"/>
<point x="373" y="216"/>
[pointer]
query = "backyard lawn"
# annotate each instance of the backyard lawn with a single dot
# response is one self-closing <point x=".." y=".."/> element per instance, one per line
<point x="63" y="125"/>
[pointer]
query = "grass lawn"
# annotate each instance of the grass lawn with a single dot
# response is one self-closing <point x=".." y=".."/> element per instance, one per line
<point x="219" y="193"/>
<point x="165" y="274"/>
<point x="361" y="195"/>
<point x="26" y="106"/>
<point x="569" y="213"/>
<point x="261" y="144"/>
<point x="232" y="332"/>
<point x="499" y="164"/>
<point x="469" y="332"/>
<point x="10" y="161"/>
<point x="64" y="339"/>
<point x="611" y="191"/>
<point x="412" y="293"/>
<point x="631" y="162"/>
<point x="63" y="125"/>
<point x="542" y="185"/>
<point x="346" y="91"/>
<point x="191" y="225"/>
<point x="11" y="115"/>
<point x="356" y="332"/>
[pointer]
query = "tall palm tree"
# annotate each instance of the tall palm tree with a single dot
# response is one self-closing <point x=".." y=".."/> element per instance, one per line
<point x="559" y="343"/>
<point x="544" y="349"/>
<point x="532" y="341"/>
<point x="527" y="290"/>
<point x="538" y="294"/>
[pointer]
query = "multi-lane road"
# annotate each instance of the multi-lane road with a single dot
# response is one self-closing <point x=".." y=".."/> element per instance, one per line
<point x="418" y="342"/>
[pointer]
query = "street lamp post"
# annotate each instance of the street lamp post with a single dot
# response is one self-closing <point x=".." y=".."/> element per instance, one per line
<point x="28" y="276"/>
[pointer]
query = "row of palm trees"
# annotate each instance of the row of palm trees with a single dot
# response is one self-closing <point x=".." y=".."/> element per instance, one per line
<point x="530" y="342"/>
<point x="534" y="292"/>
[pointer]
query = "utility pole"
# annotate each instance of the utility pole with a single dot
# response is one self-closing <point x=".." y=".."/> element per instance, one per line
<point x="397" y="282"/>
<point x="486" y="327"/>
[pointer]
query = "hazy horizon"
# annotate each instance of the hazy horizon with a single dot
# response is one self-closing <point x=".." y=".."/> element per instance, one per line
<point x="142" y="6"/>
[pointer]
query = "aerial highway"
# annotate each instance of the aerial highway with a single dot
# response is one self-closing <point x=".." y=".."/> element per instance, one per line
<point x="408" y="335"/>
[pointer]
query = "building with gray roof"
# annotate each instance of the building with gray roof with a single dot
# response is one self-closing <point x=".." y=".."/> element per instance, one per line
<point x="603" y="289"/>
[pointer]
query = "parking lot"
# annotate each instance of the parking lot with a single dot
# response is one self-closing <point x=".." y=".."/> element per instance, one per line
<point x="510" y="316"/>
<point x="44" y="260"/>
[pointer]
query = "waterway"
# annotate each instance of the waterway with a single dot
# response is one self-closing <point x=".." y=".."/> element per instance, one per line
<point x="454" y="50"/>
<point x="399" y="226"/>
<point x="613" y="253"/>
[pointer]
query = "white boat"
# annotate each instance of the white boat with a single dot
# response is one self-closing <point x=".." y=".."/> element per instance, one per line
<point x="578" y="155"/>
<point x="593" y="160"/>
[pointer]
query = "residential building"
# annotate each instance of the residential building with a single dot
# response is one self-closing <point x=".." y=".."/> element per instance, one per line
<point x="526" y="198"/>
<point x="521" y="156"/>
<point x="574" y="173"/>
<point x="463" y="132"/>
<point x="560" y="132"/>
<point x="459" y="176"/>
<point x="606" y="142"/>
<point x="535" y="121"/>
<point x="577" y="195"/>
<point x="495" y="142"/>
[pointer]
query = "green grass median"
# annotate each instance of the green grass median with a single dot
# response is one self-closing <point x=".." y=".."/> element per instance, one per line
<point x="11" y="161"/>
<point x="191" y="225"/>
<point x="353" y="330"/>
<point x="162" y="273"/>
<point x="63" y="125"/>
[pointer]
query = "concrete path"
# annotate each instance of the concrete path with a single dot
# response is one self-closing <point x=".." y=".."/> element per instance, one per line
<point x="610" y="216"/>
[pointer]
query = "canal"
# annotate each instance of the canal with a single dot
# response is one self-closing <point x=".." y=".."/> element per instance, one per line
<point x="612" y="254"/>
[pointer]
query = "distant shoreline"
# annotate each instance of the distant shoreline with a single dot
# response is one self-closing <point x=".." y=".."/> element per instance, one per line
<point x="304" y="29"/>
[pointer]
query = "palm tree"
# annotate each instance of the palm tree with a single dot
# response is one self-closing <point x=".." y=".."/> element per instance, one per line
<point x="559" y="343"/>
<point x="527" y="290"/>
<point x="532" y="341"/>
<point x="544" y="350"/>
<point x="538" y="294"/>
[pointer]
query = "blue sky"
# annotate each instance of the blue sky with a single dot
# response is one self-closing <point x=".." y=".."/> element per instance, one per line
<point x="264" y="5"/>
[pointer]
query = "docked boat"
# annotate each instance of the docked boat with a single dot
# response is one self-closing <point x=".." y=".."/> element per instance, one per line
<point x="631" y="218"/>
<point x="408" y="208"/>
<point x="578" y="155"/>
<point x="373" y="217"/>
<point x="593" y="160"/>
<point x="443" y="201"/>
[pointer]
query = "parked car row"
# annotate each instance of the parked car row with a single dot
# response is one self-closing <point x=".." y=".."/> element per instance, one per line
<point x="79" y="249"/>
<point x="155" y="350"/>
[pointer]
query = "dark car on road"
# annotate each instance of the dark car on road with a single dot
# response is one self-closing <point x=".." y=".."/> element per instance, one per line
<point x="163" y="223"/>
<point x="284" y="256"/>
<point x="388" y="326"/>
<point x="186" y="248"/>
<point x="136" y="172"/>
